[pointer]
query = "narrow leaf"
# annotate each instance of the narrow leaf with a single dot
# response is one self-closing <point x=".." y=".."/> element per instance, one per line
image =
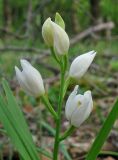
<point x="11" y="131"/>
<point x="100" y="139"/>
<point x="18" y="121"/>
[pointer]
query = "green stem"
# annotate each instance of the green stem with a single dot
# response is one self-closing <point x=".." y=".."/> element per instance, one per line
<point x="65" y="62"/>
<point x="108" y="153"/>
<point x="66" y="85"/>
<point x="49" y="106"/>
<point x="67" y="133"/>
<point x="58" y="123"/>
<point x="54" y="55"/>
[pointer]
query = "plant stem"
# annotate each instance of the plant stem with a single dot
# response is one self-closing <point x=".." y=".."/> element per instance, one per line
<point x="66" y="85"/>
<point x="67" y="133"/>
<point x="49" y="106"/>
<point x="58" y="122"/>
<point x="108" y="153"/>
<point x="54" y="55"/>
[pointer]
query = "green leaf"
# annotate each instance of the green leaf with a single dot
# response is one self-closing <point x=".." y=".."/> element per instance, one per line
<point x="5" y="119"/>
<point x="18" y="125"/>
<point x="100" y="139"/>
<point x="59" y="20"/>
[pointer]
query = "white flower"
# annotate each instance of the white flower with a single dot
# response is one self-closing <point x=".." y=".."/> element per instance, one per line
<point x="55" y="36"/>
<point x="78" y="107"/>
<point x="30" y="79"/>
<point x="61" y="40"/>
<point x="47" y="32"/>
<point x="81" y="64"/>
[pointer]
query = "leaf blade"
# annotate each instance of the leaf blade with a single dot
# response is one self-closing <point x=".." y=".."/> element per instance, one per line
<point x="19" y="122"/>
<point x="10" y="130"/>
<point x="102" y="135"/>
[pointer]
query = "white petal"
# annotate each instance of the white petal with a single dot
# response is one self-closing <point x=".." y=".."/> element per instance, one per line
<point x="21" y="80"/>
<point x="80" y="64"/>
<point x="89" y="101"/>
<point x="71" y="103"/>
<point x="81" y="113"/>
<point x="25" y="64"/>
<point x="47" y="32"/>
<point x="61" y="39"/>
<point x="30" y="79"/>
<point x="33" y="78"/>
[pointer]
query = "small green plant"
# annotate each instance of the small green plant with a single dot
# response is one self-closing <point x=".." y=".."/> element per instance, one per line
<point x="77" y="108"/>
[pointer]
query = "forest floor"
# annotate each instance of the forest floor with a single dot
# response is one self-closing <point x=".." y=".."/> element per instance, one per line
<point x="102" y="79"/>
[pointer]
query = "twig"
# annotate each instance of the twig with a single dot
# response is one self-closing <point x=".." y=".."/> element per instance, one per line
<point x="91" y="30"/>
<point x="17" y="36"/>
<point x="23" y="49"/>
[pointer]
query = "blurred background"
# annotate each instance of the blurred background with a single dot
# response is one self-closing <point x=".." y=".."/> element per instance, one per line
<point x="91" y="25"/>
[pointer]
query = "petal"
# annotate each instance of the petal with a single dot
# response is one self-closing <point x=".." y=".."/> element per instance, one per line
<point x="81" y="113"/>
<point x="71" y="103"/>
<point x="61" y="39"/>
<point x="25" y="64"/>
<point x="21" y="80"/>
<point x="33" y="78"/>
<point x="47" y="32"/>
<point x="89" y="101"/>
<point x="80" y="64"/>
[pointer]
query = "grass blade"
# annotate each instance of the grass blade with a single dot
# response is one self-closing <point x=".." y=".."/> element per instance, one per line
<point x="11" y="131"/>
<point x="100" y="139"/>
<point x="18" y="122"/>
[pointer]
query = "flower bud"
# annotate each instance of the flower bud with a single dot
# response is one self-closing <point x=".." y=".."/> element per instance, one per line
<point x="81" y="64"/>
<point x="61" y="40"/>
<point x="78" y="107"/>
<point x="30" y="79"/>
<point x="47" y="32"/>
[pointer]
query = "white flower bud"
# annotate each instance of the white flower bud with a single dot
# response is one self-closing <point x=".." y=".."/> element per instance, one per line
<point x="78" y="107"/>
<point x="81" y="64"/>
<point x="47" y="32"/>
<point x="61" y="40"/>
<point x="30" y="79"/>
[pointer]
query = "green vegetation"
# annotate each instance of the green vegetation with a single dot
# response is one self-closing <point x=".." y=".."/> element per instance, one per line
<point x="20" y="37"/>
